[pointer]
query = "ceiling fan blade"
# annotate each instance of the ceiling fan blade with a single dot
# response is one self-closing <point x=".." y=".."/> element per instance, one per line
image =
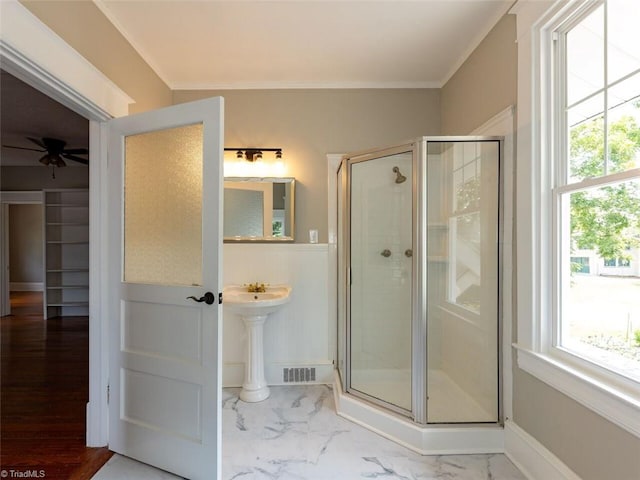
<point x="24" y="148"/>
<point x="81" y="151"/>
<point x="76" y="159"/>
<point x="37" y="142"/>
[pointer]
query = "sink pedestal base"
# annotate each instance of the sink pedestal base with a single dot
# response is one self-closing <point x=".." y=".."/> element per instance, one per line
<point x="254" y="388"/>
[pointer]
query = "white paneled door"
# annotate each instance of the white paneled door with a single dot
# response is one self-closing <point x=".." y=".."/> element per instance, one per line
<point x="165" y="184"/>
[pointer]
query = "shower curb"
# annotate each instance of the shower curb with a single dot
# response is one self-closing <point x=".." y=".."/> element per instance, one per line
<point x="425" y="440"/>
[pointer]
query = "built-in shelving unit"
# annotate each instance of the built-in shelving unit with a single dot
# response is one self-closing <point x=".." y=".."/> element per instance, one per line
<point x="66" y="252"/>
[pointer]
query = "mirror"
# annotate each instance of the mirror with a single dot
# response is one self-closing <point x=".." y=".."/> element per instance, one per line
<point x="258" y="209"/>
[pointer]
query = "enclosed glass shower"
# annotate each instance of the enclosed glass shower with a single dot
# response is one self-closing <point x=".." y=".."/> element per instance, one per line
<point x="418" y="286"/>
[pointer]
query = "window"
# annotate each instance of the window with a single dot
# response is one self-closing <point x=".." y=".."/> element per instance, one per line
<point x="578" y="192"/>
<point x="596" y="187"/>
<point x="609" y="262"/>
<point x="580" y="265"/>
<point x="617" y="262"/>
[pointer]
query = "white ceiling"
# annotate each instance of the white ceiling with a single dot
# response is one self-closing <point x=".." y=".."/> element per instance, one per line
<point x="268" y="44"/>
<point x="308" y="44"/>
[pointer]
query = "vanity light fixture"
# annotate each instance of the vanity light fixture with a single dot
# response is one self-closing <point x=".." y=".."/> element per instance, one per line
<point x="253" y="154"/>
<point x="250" y="162"/>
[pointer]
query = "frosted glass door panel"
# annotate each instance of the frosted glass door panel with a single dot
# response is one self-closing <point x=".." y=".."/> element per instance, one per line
<point x="462" y="281"/>
<point x="163" y="225"/>
<point x="381" y="278"/>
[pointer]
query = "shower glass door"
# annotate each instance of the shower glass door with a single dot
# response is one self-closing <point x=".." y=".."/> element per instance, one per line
<point x="380" y="192"/>
<point x="462" y="281"/>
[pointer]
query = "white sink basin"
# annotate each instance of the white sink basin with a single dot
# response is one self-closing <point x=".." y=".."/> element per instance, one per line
<point x="254" y="308"/>
<point x="244" y="303"/>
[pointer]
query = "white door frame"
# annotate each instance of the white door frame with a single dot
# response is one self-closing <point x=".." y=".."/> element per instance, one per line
<point x="32" y="52"/>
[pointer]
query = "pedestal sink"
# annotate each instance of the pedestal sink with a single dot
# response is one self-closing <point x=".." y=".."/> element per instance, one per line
<point x="254" y="308"/>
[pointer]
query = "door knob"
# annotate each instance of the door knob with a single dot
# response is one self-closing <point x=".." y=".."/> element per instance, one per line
<point x="386" y="253"/>
<point x="207" y="298"/>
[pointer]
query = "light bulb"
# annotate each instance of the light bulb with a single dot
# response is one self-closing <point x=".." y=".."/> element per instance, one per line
<point x="279" y="166"/>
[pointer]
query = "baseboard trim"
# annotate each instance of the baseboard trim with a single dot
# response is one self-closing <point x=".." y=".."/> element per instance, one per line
<point x="26" y="286"/>
<point x="532" y="458"/>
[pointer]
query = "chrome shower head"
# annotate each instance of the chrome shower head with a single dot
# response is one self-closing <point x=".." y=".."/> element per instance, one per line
<point x="399" y="177"/>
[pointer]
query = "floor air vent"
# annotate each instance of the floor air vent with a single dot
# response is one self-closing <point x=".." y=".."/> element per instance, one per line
<point x="298" y="374"/>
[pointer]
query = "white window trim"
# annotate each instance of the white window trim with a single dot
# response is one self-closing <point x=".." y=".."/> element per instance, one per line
<point x="611" y="396"/>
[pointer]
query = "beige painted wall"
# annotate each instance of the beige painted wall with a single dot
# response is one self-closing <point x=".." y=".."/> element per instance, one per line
<point x="83" y="26"/>
<point x="309" y="124"/>
<point x="38" y="178"/>
<point x="591" y="446"/>
<point x="485" y="84"/>
<point x="25" y="243"/>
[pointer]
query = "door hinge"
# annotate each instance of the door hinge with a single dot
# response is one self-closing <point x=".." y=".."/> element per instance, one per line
<point x="220" y="298"/>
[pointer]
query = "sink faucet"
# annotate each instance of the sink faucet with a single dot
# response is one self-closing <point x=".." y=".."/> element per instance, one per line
<point x="256" y="288"/>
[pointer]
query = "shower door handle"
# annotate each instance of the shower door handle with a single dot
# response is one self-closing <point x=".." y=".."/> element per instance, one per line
<point x="386" y="253"/>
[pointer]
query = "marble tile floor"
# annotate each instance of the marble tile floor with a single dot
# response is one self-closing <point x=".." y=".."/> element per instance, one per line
<point x="296" y="434"/>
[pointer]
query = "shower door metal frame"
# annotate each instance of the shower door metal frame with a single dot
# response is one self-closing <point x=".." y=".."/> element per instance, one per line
<point x="419" y="320"/>
<point x="347" y="162"/>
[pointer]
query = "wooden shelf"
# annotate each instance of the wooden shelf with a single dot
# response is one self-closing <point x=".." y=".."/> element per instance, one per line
<point x="69" y="287"/>
<point x="66" y="229"/>
<point x="67" y="270"/>
<point x="69" y="304"/>
<point x="67" y="205"/>
<point x="69" y="242"/>
<point x="67" y="224"/>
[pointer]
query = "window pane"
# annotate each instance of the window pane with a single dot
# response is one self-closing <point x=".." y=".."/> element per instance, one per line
<point x="623" y="134"/>
<point x="586" y="139"/>
<point x="600" y="310"/>
<point x="623" y="17"/>
<point x="585" y="57"/>
<point x="580" y="265"/>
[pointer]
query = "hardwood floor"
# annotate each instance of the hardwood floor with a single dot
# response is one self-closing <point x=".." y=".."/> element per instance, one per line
<point x="44" y="382"/>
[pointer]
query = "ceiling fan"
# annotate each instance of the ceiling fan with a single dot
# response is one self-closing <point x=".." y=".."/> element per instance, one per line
<point x="55" y="152"/>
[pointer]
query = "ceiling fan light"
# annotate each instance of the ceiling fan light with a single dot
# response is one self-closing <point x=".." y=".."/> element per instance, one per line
<point x="46" y="159"/>
<point x="59" y="162"/>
